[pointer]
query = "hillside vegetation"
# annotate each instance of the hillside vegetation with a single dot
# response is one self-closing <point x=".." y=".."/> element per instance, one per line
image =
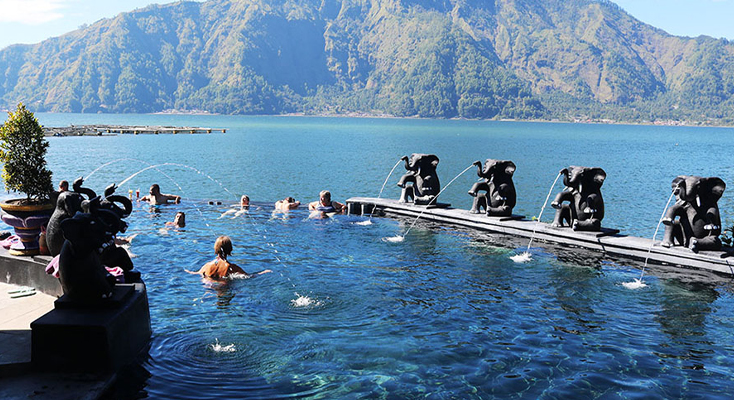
<point x="523" y="59"/>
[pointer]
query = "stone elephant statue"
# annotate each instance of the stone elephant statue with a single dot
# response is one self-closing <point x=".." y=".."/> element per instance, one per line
<point x="81" y="272"/>
<point x="499" y="197"/>
<point x="420" y="183"/>
<point x="585" y="208"/>
<point x="694" y="220"/>
<point x="68" y="204"/>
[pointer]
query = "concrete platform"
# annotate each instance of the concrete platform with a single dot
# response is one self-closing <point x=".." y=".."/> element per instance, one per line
<point x="17" y="379"/>
<point x="608" y="241"/>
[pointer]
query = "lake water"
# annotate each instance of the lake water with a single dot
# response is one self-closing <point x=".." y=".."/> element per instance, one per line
<point x="443" y="314"/>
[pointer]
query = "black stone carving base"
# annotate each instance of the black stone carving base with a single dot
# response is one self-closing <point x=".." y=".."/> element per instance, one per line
<point x="92" y="338"/>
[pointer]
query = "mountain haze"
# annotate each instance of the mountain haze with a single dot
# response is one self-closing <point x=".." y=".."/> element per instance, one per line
<point x="550" y="59"/>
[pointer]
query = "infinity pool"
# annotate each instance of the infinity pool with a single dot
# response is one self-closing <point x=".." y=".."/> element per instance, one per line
<point x="443" y="314"/>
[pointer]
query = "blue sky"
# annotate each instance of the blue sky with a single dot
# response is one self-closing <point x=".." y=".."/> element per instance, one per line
<point x="31" y="21"/>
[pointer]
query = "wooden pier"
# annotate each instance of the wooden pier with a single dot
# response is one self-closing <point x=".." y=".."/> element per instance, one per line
<point x="102" y="130"/>
<point x="608" y="241"/>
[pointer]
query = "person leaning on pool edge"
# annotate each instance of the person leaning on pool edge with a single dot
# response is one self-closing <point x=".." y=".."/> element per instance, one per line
<point x="156" y="197"/>
<point x="220" y="268"/>
<point x="289" y="203"/>
<point x="325" y="205"/>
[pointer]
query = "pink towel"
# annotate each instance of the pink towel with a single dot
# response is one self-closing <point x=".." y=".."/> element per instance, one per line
<point x="9" y="241"/>
<point x="53" y="267"/>
<point x="117" y="272"/>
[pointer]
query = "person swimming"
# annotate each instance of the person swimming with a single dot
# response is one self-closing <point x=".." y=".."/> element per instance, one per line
<point x="325" y="204"/>
<point x="156" y="197"/>
<point x="220" y="268"/>
<point x="179" y="221"/>
<point x="289" y="203"/>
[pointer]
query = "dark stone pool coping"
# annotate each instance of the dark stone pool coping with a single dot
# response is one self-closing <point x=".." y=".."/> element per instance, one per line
<point x="609" y="241"/>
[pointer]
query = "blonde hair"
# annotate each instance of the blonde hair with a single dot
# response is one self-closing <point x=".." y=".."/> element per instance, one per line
<point x="223" y="247"/>
<point x="325" y="194"/>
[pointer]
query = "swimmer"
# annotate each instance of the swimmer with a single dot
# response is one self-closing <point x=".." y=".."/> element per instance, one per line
<point x="156" y="197"/>
<point x="325" y="205"/>
<point x="179" y="221"/>
<point x="220" y="268"/>
<point x="245" y="201"/>
<point x="289" y="203"/>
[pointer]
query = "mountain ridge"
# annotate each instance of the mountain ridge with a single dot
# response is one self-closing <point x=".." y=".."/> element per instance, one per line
<point x="522" y="59"/>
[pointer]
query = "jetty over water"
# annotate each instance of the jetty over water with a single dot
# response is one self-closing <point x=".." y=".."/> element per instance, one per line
<point x="101" y="130"/>
<point x="607" y="241"/>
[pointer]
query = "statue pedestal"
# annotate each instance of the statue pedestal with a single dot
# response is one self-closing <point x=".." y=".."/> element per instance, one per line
<point x="82" y="337"/>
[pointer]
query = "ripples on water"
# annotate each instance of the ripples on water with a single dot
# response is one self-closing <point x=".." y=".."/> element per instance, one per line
<point x="442" y="314"/>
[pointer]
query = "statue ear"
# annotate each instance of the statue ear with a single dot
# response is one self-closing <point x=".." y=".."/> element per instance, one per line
<point x="599" y="175"/>
<point x="716" y="186"/>
<point x="510" y="168"/>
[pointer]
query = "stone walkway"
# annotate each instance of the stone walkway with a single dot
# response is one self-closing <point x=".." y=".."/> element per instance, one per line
<point x="17" y="380"/>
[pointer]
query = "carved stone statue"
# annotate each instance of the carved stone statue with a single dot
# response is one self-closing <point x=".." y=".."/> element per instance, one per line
<point x="67" y="204"/>
<point x="420" y="184"/>
<point x="496" y="191"/>
<point x="89" y="246"/>
<point x="694" y="220"/>
<point x="585" y="208"/>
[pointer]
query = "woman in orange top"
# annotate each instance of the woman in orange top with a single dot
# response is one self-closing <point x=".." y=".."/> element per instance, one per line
<point x="220" y="268"/>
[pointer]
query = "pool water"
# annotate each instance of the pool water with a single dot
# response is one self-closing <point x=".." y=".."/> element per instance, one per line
<point x="444" y="313"/>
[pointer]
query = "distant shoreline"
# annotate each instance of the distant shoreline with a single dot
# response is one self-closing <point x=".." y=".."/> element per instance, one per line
<point x="388" y="116"/>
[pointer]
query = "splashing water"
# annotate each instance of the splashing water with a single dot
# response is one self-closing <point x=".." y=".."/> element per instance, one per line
<point x="369" y="222"/>
<point x="637" y="283"/>
<point x="305" y="301"/>
<point x="393" y="239"/>
<point x="525" y="256"/>
<point x="521" y="258"/>
<point x="217" y="347"/>
<point x="364" y="223"/>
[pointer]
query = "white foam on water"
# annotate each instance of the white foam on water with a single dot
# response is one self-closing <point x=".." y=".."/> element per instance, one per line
<point x="636" y="284"/>
<point x="393" y="239"/>
<point x="238" y="275"/>
<point x="228" y="212"/>
<point x="363" y="223"/>
<point x="230" y="348"/>
<point x="521" y="258"/>
<point x="163" y="231"/>
<point x="305" y="301"/>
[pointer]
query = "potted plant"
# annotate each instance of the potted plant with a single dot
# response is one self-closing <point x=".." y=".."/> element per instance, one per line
<point x="23" y="154"/>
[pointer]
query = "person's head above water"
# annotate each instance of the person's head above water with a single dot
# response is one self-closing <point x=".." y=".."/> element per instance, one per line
<point x="223" y="247"/>
<point x="325" y="197"/>
<point x="155" y="189"/>
<point x="180" y="219"/>
<point x="244" y="200"/>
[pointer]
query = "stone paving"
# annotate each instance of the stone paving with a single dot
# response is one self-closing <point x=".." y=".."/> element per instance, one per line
<point x="17" y="379"/>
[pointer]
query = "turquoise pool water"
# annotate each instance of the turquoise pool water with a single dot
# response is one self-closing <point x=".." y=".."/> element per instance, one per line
<point x="443" y="314"/>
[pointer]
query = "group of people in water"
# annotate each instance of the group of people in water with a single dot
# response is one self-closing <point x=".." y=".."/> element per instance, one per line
<point x="220" y="268"/>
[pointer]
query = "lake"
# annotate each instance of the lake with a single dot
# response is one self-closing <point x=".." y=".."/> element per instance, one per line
<point x="443" y="314"/>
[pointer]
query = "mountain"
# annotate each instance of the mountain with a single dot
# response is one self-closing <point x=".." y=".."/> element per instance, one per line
<point x="540" y="59"/>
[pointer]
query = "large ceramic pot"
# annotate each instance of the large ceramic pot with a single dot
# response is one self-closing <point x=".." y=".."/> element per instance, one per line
<point x="27" y="221"/>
